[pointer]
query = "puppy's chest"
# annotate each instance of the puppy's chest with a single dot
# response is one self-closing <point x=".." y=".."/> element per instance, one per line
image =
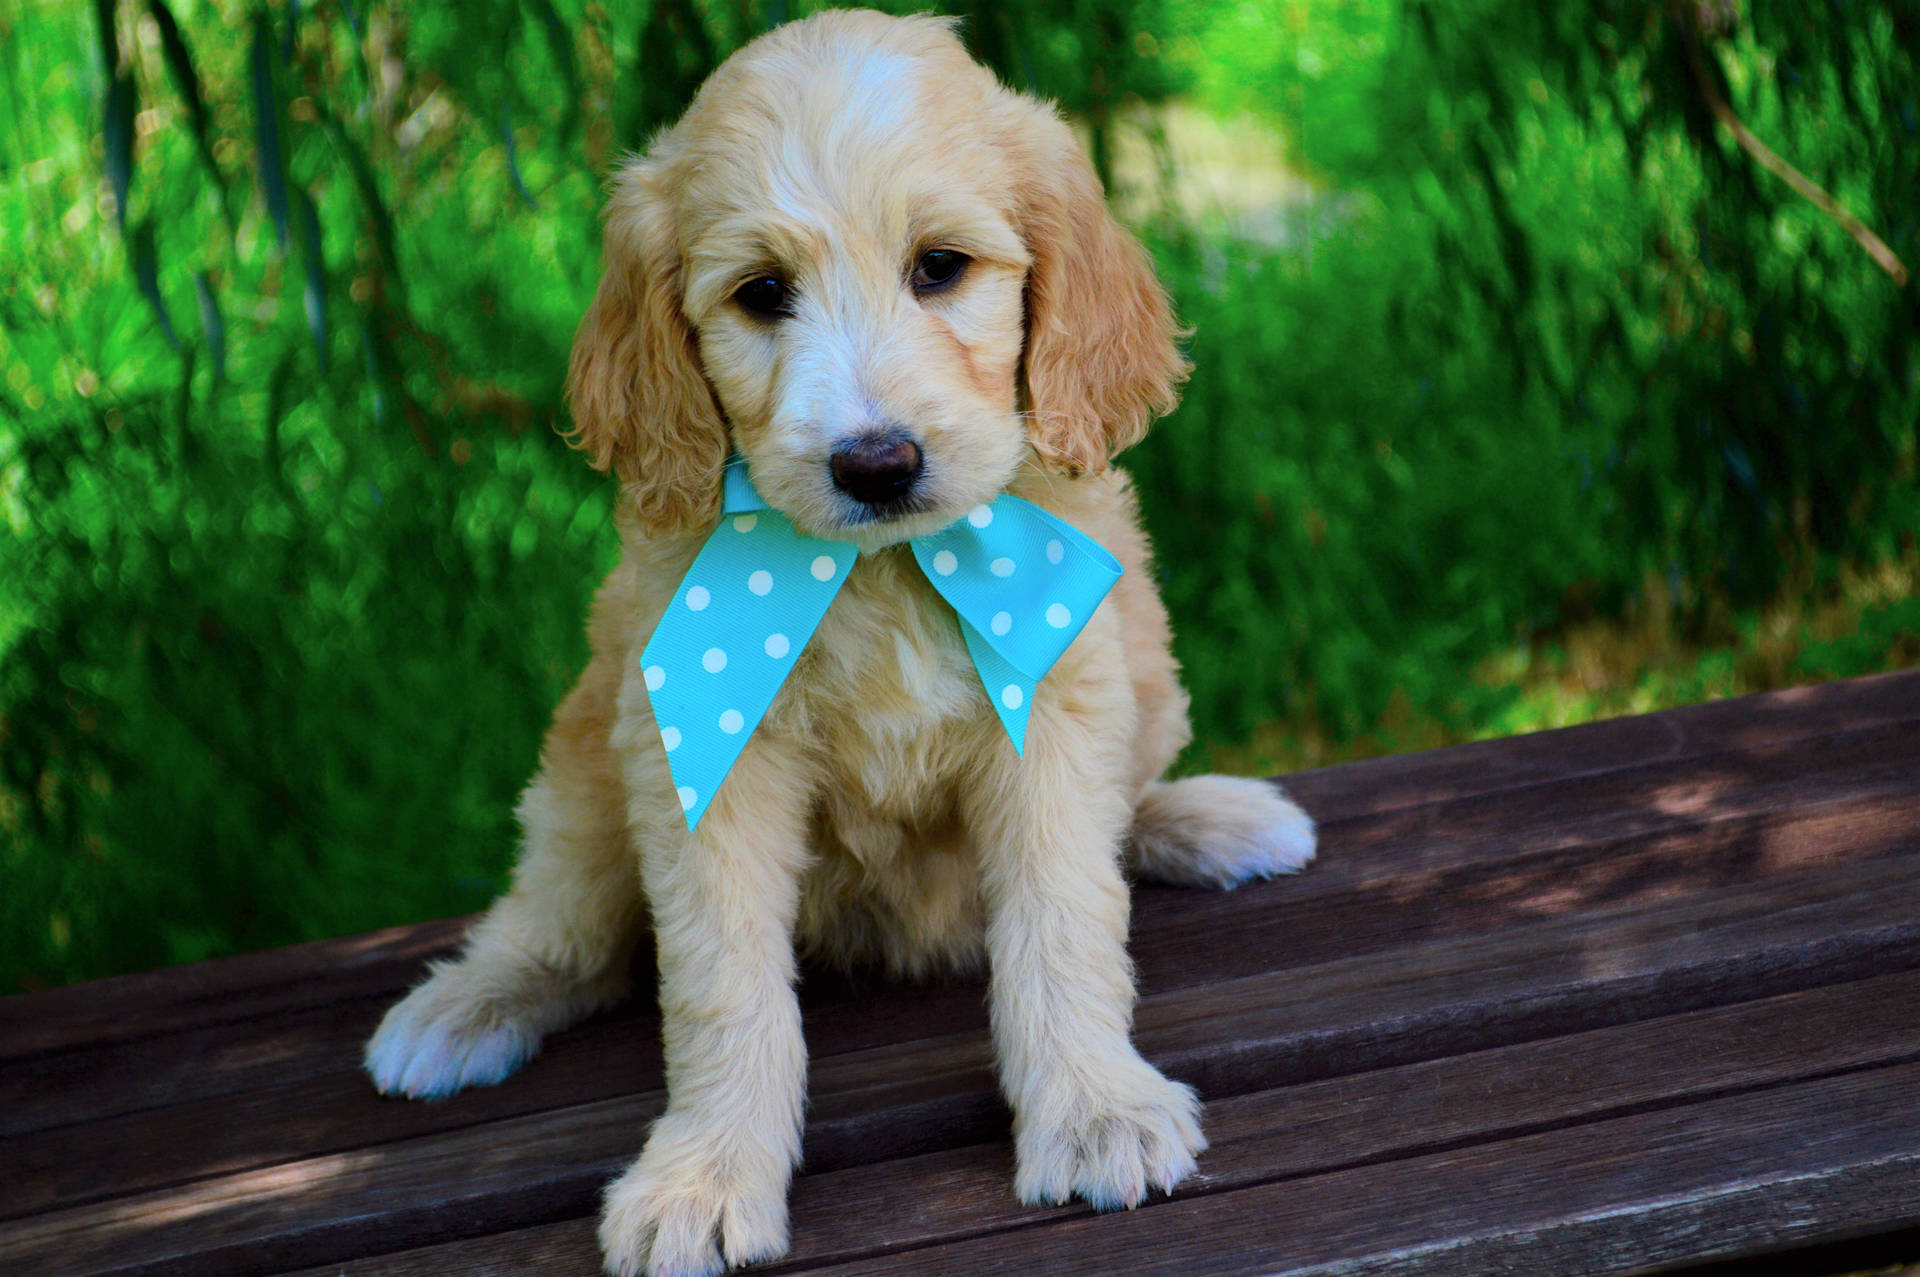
<point x="886" y="692"/>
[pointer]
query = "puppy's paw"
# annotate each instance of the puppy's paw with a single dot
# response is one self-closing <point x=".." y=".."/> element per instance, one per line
<point x="474" y="1023"/>
<point x="447" y="1035"/>
<point x="1218" y="831"/>
<point x="682" y="1210"/>
<point x="1139" y="1131"/>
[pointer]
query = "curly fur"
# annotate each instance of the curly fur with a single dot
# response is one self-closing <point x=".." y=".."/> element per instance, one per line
<point x="878" y="814"/>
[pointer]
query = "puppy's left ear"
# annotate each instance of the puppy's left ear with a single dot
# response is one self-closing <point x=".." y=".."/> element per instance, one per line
<point x="1101" y="363"/>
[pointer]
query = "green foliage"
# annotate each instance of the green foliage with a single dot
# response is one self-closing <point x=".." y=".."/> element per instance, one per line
<point x="295" y="564"/>
<point x="1347" y="508"/>
<point x="1750" y="370"/>
<point x="287" y="609"/>
<point x="1559" y="338"/>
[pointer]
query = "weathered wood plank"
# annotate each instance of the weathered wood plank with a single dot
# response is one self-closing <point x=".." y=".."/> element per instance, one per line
<point x="1636" y="833"/>
<point x="319" y="1103"/>
<point x="102" y="1081"/>
<point x="223" y="990"/>
<point x="1455" y="878"/>
<point x="1622" y="806"/>
<point x="1359" y="1014"/>
<point x="1315" y="1128"/>
<point x="1822" y="1159"/>
<point x="1507" y="763"/>
<point x="307" y="1063"/>
<point x="243" y="988"/>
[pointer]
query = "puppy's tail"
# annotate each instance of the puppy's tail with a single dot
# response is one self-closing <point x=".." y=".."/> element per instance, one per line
<point x="1217" y="831"/>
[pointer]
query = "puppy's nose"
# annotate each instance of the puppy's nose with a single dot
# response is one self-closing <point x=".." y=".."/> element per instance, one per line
<point x="876" y="469"/>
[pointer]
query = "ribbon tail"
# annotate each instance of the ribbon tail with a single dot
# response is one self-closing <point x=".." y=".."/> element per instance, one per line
<point x="1029" y="579"/>
<point x="1010" y="690"/>
<point x="724" y="647"/>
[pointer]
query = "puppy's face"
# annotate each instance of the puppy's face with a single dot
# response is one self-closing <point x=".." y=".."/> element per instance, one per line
<point x="887" y="281"/>
<point x="854" y="275"/>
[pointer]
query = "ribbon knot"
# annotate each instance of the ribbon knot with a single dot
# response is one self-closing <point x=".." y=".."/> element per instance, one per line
<point x="1022" y="582"/>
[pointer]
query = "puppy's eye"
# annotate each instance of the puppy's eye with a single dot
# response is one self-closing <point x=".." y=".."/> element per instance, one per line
<point x="937" y="270"/>
<point x="766" y="296"/>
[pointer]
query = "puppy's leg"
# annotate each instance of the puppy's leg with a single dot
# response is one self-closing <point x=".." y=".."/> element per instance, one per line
<point x="724" y="900"/>
<point x="1091" y="1117"/>
<point x="553" y="949"/>
<point x="1218" y="831"/>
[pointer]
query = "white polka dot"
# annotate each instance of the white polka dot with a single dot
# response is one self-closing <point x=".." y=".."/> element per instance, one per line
<point x="1012" y="697"/>
<point x="731" y="722"/>
<point x="745" y="522"/>
<point x="1055" y="552"/>
<point x="1001" y="623"/>
<point x="1058" y="616"/>
<point x="1001" y="567"/>
<point x="688" y="798"/>
<point x="655" y="677"/>
<point x="760" y="582"/>
<point x="698" y="598"/>
<point x="714" y="661"/>
<point x="823" y="568"/>
<point x="670" y="737"/>
<point x="980" y="516"/>
<point x="944" y="563"/>
<point x="777" y="646"/>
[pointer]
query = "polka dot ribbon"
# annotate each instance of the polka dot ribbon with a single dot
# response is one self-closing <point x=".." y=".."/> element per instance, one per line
<point x="1022" y="581"/>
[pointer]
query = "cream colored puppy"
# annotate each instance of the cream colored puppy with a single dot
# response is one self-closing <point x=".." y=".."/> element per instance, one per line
<point x="894" y="287"/>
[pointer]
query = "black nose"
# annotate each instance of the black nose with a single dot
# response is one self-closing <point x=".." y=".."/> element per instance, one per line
<point x="877" y="469"/>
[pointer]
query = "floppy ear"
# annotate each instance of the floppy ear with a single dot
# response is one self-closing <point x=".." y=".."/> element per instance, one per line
<point x="640" y="403"/>
<point x="1101" y="362"/>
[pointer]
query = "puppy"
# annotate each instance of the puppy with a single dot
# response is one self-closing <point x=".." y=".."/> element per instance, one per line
<point x="855" y="234"/>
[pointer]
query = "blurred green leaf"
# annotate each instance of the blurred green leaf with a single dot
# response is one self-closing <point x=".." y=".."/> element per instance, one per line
<point x="118" y="135"/>
<point x="212" y="325"/>
<point x="186" y="82"/>
<point x="513" y="159"/>
<point x="368" y="188"/>
<point x="144" y="258"/>
<point x="312" y="250"/>
<point x="293" y="28"/>
<point x="268" y="128"/>
<point x="560" y="45"/>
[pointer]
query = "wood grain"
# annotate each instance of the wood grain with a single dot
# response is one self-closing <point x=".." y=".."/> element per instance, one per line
<point x="1320" y="1127"/>
<point x="1790" y="1165"/>
<point x="1350" y="1017"/>
<point x="222" y="991"/>
<point x="1569" y="753"/>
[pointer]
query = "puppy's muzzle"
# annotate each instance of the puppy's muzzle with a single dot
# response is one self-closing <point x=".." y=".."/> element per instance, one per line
<point x="877" y="470"/>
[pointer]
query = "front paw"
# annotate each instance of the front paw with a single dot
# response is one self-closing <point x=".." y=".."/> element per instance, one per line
<point x="684" y="1209"/>
<point x="1109" y="1143"/>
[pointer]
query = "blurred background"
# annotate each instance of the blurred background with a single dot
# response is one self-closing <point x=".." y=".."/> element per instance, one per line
<point x="1554" y="361"/>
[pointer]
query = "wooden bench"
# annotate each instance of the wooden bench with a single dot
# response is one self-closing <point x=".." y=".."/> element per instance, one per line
<point x="1639" y="994"/>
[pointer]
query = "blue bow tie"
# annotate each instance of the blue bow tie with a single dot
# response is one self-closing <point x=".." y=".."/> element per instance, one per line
<point x="1022" y="581"/>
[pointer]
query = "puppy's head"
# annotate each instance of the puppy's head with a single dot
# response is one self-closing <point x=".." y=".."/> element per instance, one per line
<point x="884" y="279"/>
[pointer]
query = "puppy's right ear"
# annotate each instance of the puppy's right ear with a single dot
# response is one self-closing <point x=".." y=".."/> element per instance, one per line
<point x="641" y="405"/>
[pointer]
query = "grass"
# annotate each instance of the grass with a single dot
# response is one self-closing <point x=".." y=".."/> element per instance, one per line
<point x="1861" y="621"/>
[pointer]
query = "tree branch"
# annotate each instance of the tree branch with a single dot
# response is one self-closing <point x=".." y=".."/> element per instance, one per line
<point x="1764" y="156"/>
